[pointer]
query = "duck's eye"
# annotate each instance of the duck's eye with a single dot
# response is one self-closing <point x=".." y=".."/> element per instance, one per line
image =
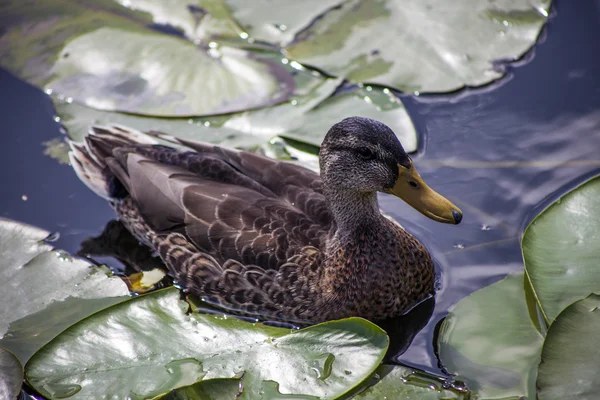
<point x="366" y="153"/>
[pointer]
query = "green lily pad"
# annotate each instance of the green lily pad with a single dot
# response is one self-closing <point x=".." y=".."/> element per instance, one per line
<point x="278" y="23"/>
<point x="150" y="345"/>
<point x="308" y="121"/>
<point x="561" y="252"/>
<point x="199" y="20"/>
<point x="112" y="69"/>
<point x="398" y="382"/>
<point x="305" y="119"/>
<point x="49" y="284"/>
<point x="424" y="46"/>
<point x="11" y="375"/>
<point x="570" y="356"/>
<point x="108" y="57"/>
<point x="489" y="341"/>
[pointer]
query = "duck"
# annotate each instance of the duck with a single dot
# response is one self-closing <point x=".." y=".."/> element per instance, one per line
<point x="268" y="238"/>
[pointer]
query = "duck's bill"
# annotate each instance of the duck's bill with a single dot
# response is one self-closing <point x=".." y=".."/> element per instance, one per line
<point x="411" y="188"/>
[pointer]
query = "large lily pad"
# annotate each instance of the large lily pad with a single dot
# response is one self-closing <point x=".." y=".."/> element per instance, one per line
<point x="150" y="345"/>
<point x="415" y="45"/>
<point x="11" y="375"/>
<point x="571" y="356"/>
<point x="50" y="284"/>
<point x="310" y="120"/>
<point x="397" y="382"/>
<point x="306" y="119"/>
<point x="107" y="56"/>
<point x="561" y="252"/>
<point x="112" y="69"/>
<point x="489" y="341"/>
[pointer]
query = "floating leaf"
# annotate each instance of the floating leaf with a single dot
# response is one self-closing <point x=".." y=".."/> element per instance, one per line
<point x="397" y="382"/>
<point x="561" y="252"/>
<point x="149" y="346"/>
<point x="305" y="119"/>
<point x="107" y="56"/>
<point x="112" y="69"/>
<point x="199" y="20"/>
<point x="309" y="121"/>
<point x="570" y="356"/>
<point x="11" y="375"/>
<point x="489" y="341"/>
<point x="415" y="45"/>
<point x="278" y="23"/>
<point x="50" y="284"/>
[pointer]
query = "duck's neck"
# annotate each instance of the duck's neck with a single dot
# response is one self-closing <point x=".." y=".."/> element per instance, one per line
<point x="353" y="212"/>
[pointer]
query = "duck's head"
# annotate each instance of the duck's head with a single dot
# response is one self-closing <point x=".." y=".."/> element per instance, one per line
<point x="363" y="155"/>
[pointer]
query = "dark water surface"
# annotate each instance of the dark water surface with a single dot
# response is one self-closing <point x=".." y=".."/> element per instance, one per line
<point x="501" y="153"/>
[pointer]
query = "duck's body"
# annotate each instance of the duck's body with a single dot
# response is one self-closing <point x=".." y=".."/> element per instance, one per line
<point x="265" y="237"/>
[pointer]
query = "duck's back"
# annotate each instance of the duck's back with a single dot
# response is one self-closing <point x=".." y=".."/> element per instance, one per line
<point x="231" y="204"/>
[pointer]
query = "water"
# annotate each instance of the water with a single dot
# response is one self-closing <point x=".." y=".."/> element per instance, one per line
<point x="501" y="153"/>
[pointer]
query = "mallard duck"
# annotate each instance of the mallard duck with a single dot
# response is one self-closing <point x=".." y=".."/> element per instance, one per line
<point x="265" y="237"/>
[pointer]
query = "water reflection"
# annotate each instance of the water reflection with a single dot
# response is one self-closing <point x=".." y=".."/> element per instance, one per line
<point x="403" y="329"/>
<point x="501" y="168"/>
<point x="115" y="242"/>
<point x="503" y="155"/>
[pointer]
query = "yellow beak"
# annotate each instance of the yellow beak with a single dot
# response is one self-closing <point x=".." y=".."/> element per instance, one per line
<point x="411" y="188"/>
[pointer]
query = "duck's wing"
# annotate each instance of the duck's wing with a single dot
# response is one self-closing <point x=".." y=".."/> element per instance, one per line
<point x="285" y="294"/>
<point x="294" y="184"/>
<point x="218" y="204"/>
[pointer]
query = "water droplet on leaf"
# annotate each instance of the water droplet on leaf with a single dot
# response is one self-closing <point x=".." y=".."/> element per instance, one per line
<point x="60" y="390"/>
<point x="63" y="256"/>
<point x="322" y="365"/>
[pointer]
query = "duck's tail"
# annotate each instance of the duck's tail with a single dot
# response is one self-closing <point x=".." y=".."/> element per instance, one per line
<point x="96" y="164"/>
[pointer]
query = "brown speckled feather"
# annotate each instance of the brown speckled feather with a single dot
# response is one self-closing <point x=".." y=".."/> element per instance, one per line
<point x="254" y="235"/>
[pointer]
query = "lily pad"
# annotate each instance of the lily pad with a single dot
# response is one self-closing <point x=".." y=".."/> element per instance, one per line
<point x="489" y="341"/>
<point x="571" y="357"/>
<point x="309" y="121"/>
<point x="279" y="23"/>
<point x="39" y="279"/>
<point x="424" y="46"/>
<point x="109" y="57"/>
<point x="112" y="69"/>
<point x="11" y="375"/>
<point x="561" y="252"/>
<point x="305" y="119"/>
<point x="151" y="345"/>
<point x="199" y="20"/>
<point x="398" y="382"/>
